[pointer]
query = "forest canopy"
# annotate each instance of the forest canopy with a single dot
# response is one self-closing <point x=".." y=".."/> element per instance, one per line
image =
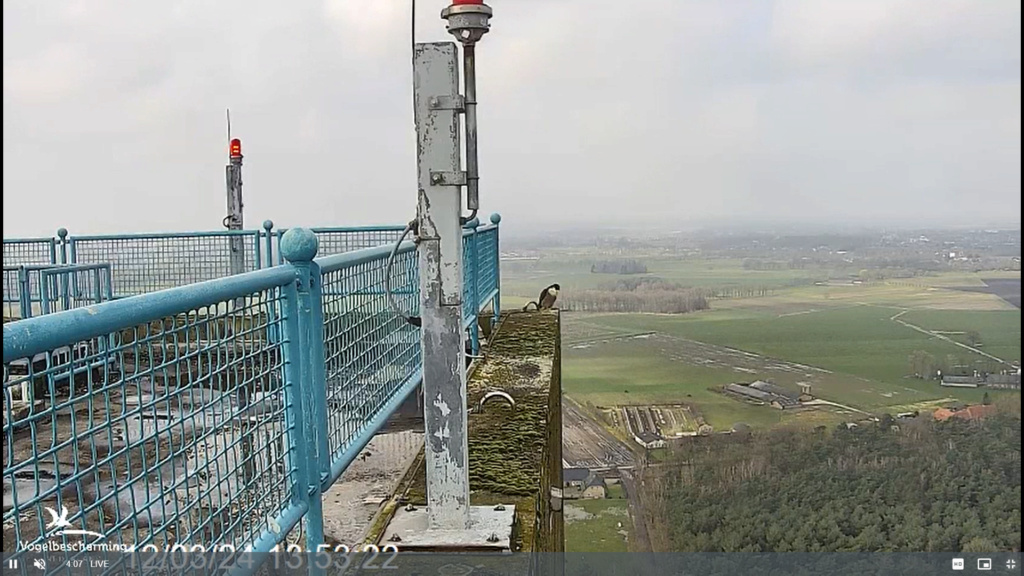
<point x="919" y="486"/>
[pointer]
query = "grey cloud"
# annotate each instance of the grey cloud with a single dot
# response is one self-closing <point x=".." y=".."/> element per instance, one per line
<point x="662" y="109"/>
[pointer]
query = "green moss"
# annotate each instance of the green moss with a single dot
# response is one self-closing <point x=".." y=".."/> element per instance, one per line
<point x="384" y="516"/>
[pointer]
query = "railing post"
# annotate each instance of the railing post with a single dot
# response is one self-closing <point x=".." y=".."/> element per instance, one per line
<point x="272" y="328"/>
<point x="268" y="227"/>
<point x="496" y="220"/>
<point x="299" y="247"/>
<point x="44" y="293"/>
<point x="62" y="233"/>
<point x="24" y="293"/>
<point x="62" y="245"/>
<point x="319" y="374"/>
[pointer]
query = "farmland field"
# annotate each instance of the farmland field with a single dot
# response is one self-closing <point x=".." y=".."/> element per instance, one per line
<point x="999" y="331"/>
<point x="600" y="525"/>
<point x="840" y="338"/>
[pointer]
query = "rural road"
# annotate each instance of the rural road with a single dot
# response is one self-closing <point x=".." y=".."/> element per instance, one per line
<point x="820" y="402"/>
<point x="641" y="541"/>
<point x="896" y="318"/>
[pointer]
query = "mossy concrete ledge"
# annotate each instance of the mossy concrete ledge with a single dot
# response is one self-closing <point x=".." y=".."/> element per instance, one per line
<point x="515" y="454"/>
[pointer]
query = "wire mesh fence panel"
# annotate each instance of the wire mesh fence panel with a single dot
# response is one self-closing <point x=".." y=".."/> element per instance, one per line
<point x="140" y="429"/>
<point x="469" y="267"/>
<point x="69" y="287"/>
<point x="12" y="296"/>
<point x="23" y="291"/>
<point x="369" y="351"/>
<point x="147" y="263"/>
<point x="487" y="262"/>
<point x="341" y="240"/>
<point x="23" y="251"/>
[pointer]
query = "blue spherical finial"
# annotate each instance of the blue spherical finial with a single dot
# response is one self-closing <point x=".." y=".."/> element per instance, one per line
<point x="62" y="232"/>
<point x="495" y="218"/>
<point x="268" y="224"/>
<point x="299" y="245"/>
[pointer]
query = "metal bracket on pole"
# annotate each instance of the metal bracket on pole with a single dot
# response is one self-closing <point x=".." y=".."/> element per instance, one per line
<point x="448" y="178"/>
<point x="457" y="103"/>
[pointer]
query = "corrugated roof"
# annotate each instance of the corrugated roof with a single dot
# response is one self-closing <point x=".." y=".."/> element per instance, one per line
<point x="748" y="391"/>
<point x="774" y="389"/>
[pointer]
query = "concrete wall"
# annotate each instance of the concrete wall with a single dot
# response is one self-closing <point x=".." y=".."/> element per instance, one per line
<point x="549" y="531"/>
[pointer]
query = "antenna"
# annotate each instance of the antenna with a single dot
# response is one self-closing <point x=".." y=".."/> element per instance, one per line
<point x="229" y="123"/>
<point x="412" y="55"/>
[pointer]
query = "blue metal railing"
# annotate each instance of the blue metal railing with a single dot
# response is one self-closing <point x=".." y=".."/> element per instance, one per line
<point x="26" y="251"/>
<point x="142" y="263"/>
<point x="31" y="290"/>
<point x="215" y="413"/>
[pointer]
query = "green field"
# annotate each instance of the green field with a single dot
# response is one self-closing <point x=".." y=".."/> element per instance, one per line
<point x="629" y="372"/>
<point x="999" y="331"/>
<point x="845" y="330"/>
<point x="593" y="525"/>
<point x="860" y="341"/>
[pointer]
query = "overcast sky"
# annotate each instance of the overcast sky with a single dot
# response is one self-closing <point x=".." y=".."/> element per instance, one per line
<point x="590" y="110"/>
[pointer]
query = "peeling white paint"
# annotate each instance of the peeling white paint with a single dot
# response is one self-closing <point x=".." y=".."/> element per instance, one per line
<point x="443" y="407"/>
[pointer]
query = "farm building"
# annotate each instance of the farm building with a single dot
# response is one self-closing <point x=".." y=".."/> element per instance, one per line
<point x="768" y="393"/>
<point x="1009" y="381"/>
<point x="582" y="483"/>
<point x="960" y="381"/>
<point x="805" y="392"/>
<point x="748" y="392"/>
<point x="776" y="390"/>
<point x="650" y="440"/>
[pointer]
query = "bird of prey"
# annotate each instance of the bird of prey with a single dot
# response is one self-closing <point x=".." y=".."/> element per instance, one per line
<point x="546" y="300"/>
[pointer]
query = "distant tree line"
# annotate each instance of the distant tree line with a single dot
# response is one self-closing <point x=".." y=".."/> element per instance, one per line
<point x="638" y="295"/>
<point x="759" y="264"/>
<point x="901" y="485"/>
<point x="888" y="273"/>
<point x="629" y="266"/>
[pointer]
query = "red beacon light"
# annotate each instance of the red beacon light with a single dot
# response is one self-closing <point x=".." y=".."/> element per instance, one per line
<point x="236" y="148"/>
